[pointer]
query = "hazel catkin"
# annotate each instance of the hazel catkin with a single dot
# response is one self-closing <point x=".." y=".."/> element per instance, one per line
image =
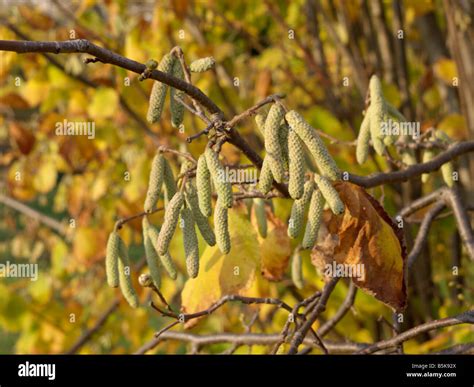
<point x="297" y="165"/>
<point x="260" y="216"/>
<point x="125" y="279"/>
<point x="201" y="65"/>
<point x="201" y="221"/>
<point x="169" y="223"/>
<point x="297" y="269"/>
<point x="265" y="179"/>
<point x="155" y="182"/>
<point x="111" y="259"/>
<point x="204" y="189"/>
<point x="298" y="209"/>
<point x="223" y="187"/>
<point x="272" y="141"/>
<point x="166" y="261"/>
<point x="152" y="258"/>
<point x="330" y="194"/>
<point x="176" y="107"/>
<point x="221" y="227"/>
<point x="158" y="91"/>
<point x="191" y="247"/>
<point x="315" y="214"/>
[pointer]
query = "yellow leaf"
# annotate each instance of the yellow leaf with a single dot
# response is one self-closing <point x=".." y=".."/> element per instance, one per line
<point x="454" y="125"/>
<point x="364" y="242"/>
<point x="445" y="69"/>
<point x="104" y="103"/>
<point x="45" y="177"/>
<point x="221" y="275"/>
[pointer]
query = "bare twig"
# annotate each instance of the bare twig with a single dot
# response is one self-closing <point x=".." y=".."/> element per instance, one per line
<point x="464" y="318"/>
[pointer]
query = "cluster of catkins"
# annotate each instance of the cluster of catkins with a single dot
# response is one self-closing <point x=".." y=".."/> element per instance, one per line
<point x="171" y="64"/>
<point x="287" y="136"/>
<point x="377" y="114"/>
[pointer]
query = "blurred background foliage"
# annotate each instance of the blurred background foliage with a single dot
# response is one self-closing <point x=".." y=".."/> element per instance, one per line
<point x="84" y="181"/>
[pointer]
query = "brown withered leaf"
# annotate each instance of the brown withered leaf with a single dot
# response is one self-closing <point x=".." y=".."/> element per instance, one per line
<point x="366" y="241"/>
<point x="275" y="249"/>
<point x="24" y="139"/>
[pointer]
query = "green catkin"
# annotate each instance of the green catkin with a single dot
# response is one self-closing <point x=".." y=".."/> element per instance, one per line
<point x="297" y="165"/>
<point x="202" y="65"/>
<point x="297" y="269"/>
<point x="394" y="113"/>
<point x="315" y="213"/>
<point x="152" y="258"/>
<point x="223" y="187"/>
<point x="261" y="216"/>
<point x="177" y="108"/>
<point x="272" y="141"/>
<point x="169" y="182"/>
<point x="204" y="189"/>
<point x="221" y="225"/>
<point x="201" y="221"/>
<point x="408" y="155"/>
<point x="265" y="180"/>
<point x="166" y="261"/>
<point x="190" y="241"/>
<point x="330" y="194"/>
<point x="318" y="150"/>
<point x="295" y="224"/>
<point x="155" y="182"/>
<point x="428" y="155"/>
<point x="362" y="149"/>
<point x="169" y="223"/>
<point x="111" y="259"/>
<point x="158" y="92"/>
<point x="378" y="114"/>
<point x="125" y="279"/>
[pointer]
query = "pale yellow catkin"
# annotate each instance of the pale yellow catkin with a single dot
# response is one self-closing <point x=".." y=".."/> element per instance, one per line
<point x="221" y="227"/>
<point x="297" y="165"/>
<point x="152" y="258"/>
<point x="219" y="177"/>
<point x="166" y="261"/>
<point x="202" y="64"/>
<point x="201" y="221"/>
<point x="190" y="242"/>
<point x="176" y="107"/>
<point x="260" y="121"/>
<point x="125" y="276"/>
<point x="283" y="137"/>
<point x="428" y="155"/>
<point x="265" y="179"/>
<point x="378" y="113"/>
<point x="272" y="141"/>
<point x="363" y="139"/>
<point x="316" y="146"/>
<point x="111" y="259"/>
<point x="298" y="209"/>
<point x="155" y="182"/>
<point x="169" y="223"/>
<point x="204" y="189"/>
<point x="158" y="91"/>
<point x="169" y="182"/>
<point x="330" y="194"/>
<point x="315" y="214"/>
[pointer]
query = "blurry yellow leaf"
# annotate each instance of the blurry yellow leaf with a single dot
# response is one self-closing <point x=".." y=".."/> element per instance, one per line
<point x="445" y="69"/>
<point x="364" y="240"/>
<point x="89" y="244"/>
<point x="45" y="177"/>
<point x="454" y="125"/>
<point x="104" y="103"/>
<point x="41" y="289"/>
<point x="34" y="91"/>
<point x="221" y="275"/>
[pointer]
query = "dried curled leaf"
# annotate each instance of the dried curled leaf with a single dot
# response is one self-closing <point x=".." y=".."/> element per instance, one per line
<point x="365" y="241"/>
